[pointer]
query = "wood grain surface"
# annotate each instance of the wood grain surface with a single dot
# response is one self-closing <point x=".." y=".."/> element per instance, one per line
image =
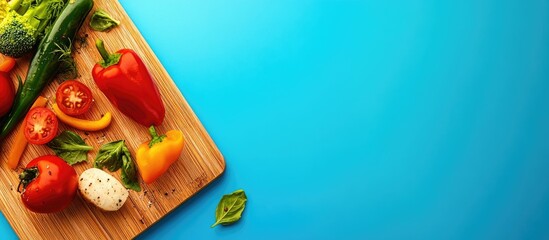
<point x="200" y="163"/>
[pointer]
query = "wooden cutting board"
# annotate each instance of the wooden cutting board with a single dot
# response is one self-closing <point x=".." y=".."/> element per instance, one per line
<point x="200" y="163"/>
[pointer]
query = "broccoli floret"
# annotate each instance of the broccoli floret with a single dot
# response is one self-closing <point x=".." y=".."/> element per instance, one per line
<point x="26" y="23"/>
<point x="16" y="38"/>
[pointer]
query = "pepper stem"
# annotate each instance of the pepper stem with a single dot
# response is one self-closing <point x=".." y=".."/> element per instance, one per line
<point x="152" y="131"/>
<point x="101" y="48"/>
<point x="108" y="59"/>
<point x="155" y="138"/>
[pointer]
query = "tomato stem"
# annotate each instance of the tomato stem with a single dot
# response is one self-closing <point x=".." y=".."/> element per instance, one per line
<point x="27" y="176"/>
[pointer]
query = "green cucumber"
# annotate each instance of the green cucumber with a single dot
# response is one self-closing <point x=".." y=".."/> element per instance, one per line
<point x="46" y="61"/>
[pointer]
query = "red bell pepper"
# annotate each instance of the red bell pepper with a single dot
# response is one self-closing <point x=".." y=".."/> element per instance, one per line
<point x="125" y="80"/>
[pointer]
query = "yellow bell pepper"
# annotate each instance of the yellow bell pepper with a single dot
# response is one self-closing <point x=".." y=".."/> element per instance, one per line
<point x="82" y="124"/>
<point x="156" y="156"/>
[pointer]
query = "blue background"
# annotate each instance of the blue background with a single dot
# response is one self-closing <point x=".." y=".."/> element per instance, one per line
<point x="367" y="119"/>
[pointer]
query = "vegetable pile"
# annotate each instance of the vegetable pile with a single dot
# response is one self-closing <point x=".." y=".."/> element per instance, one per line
<point x="46" y="61"/>
<point x="48" y="184"/>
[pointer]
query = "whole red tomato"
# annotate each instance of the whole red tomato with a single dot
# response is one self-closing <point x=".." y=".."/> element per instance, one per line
<point x="49" y="184"/>
<point x="7" y="93"/>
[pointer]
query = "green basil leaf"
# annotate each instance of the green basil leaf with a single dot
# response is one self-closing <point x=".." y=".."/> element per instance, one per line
<point x="129" y="173"/>
<point x="70" y="147"/>
<point x="114" y="156"/>
<point x="109" y="155"/>
<point x="230" y="208"/>
<point x="102" y="21"/>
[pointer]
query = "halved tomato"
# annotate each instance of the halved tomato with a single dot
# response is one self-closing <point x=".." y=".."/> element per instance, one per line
<point x="41" y="126"/>
<point x="73" y="98"/>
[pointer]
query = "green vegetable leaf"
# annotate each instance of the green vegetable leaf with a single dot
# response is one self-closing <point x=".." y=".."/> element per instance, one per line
<point x="129" y="176"/>
<point x="114" y="156"/>
<point x="230" y="208"/>
<point x="70" y="147"/>
<point x="109" y="155"/>
<point x="102" y="21"/>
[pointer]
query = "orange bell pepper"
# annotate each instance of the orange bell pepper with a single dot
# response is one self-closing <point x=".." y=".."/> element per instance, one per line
<point x="156" y="156"/>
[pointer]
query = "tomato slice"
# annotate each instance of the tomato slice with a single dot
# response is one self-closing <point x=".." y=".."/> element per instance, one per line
<point x="40" y="125"/>
<point x="73" y="98"/>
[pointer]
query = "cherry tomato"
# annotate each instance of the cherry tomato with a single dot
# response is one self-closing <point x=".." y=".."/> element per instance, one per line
<point x="49" y="184"/>
<point x="73" y="98"/>
<point x="7" y="93"/>
<point x="40" y="126"/>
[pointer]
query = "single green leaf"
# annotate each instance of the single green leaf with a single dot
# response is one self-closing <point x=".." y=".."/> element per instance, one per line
<point x="129" y="173"/>
<point x="102" y="21"/>
<point x="230" y="208"/>
<point x="70" y="147"/>
<point x="114" y="156"/>
<point x="109" y="155"/>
